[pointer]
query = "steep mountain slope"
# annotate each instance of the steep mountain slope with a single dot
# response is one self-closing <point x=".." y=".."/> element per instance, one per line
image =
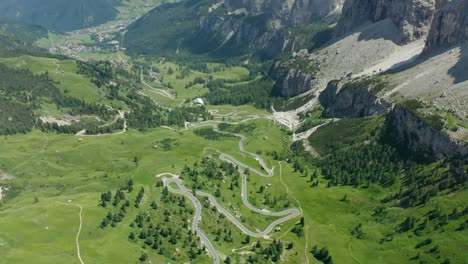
<point x="289" y="12"/>
<point x="369" y="39"/>
<point x="429" y="88"/>
<point x="412" y="18"/>
<point x="228" y="28"/>
<point x="450" y="26"/>
<point x="58" y="14"/>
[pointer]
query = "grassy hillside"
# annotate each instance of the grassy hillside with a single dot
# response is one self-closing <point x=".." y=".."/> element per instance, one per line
<point x="60" y="15"/>
<point x="360" y="202"/>
<point x="379" y="202"/>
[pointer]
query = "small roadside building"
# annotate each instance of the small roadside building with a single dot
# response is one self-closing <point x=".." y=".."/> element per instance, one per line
<point x="198" y="101"/>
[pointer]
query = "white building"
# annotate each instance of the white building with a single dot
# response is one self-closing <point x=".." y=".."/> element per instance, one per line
<point x="198" y="101"/>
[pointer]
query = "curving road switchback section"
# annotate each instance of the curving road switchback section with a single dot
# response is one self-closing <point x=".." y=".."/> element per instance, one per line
<point x="286" y="215"/>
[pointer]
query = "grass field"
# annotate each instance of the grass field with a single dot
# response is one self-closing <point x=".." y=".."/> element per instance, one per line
<point x="80" y="171"/>
<point x="65" y="73"/>
<point x="330" y="222"/>
<point x="71" y="170"/>
<point x="58" y="168"/>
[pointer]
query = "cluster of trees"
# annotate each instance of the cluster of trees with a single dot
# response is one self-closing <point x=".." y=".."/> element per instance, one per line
<point x="113" y="219"/>
<point x="298" y="229"/>
<point x="225" y="233"/>
<point x="209" y="170"/>
<point x="377" y="163"/>
<point x="105" y="198"/>
<point x="133" y="76"/>
<point x="361" y="164"/>
<point x="19" y="90"/>
<point x="140" y="195"/>
<point x="274" y="201"/>
<point x="23" y="84"/>
<point x="274" y="250"/>
<point x="357" y="232"/>
<point x="97" y="130"/>
<point x="210" y="134"/>
<point x="15" y="118"/>
<point x="159" y="231"/>
<point x="322" y="255"/>
<point x="197" y="80"/>
<point x="100" y="72"/>
<point x="436" y="219"/>
<point x="256" y="92"/>
<point x="119" y="198"/>
<point x="271" y="252"/>
<point x="423" y="181"/>
<point x="246" y="128"/>
<point x="74" y="128"/>
<point x="81" y="107"/>
<point x="151" y="116"/>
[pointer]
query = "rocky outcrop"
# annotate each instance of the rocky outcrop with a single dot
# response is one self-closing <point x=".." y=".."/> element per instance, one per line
<point x="294" y="76"/>
<point x="339" y="102"/>
<point x="450" y="25"/>
<point x="412" y="135"/>
<point x="293" y="83"/>
<point x="412" y="17"/>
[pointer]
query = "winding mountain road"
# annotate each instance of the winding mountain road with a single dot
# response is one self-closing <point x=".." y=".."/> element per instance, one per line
<point x="198" y="211"/>
<point x="286" y="215"/>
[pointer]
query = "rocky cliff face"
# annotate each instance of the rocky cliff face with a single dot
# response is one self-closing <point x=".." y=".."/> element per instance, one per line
<point x="411" y="17"/>
<point x="294" y="77"/>
<point x="261" y="25"/>
<point x="356" y="102"/>
<point x="450" y="25"/>
<point x="289" y="12"/>
<point x="410" y="133"/>
<point x="227" y="28"/>
<point x="372" y="48"/>
<point x="294" y="83"/>
<point x="246" y="35"/>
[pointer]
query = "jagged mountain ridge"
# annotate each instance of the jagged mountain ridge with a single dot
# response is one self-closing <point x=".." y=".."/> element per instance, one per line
<point x="374" y="36"/>
<point x="342" y="75"/>
<point x="370" y="37"/>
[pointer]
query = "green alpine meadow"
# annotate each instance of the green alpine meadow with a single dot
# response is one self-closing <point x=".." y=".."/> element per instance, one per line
<point x="234" y="131"/>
